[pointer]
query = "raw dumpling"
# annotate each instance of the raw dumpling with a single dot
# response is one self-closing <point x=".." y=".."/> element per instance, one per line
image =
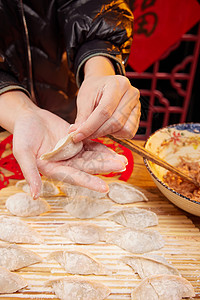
<point x="135" y="218"/>
<point x="10" y="282"/>
<point x="72" y="191"/>
<point x="85" y="207"/>
<point x="82" y="233"/>
<point x="163" y="287"/>
<point x="23" y="205"/>
<point x="150" y="264"/>
<point x="123" y="193"/>
<point x="14" y="230"/>
<point x="79" y="262"/>
<point x="73" y="287"/>
<point x="64" y="149"/>
<point x="137" y="241"/>
<point x="48" y="188"/>
<point x="14" y="257"/>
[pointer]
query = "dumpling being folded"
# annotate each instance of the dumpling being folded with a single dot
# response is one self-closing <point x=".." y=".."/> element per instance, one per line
<point x="72" y="191"/>
<point x="84" y="207"/>
<point x="137" y="241"/>
<point x="135" y="218"/>
<point x="75" y="287"/>
<point x="123" y="193"/>
<point x="64" y="149"/>
<point x="79" y="262"/>
<point x="48" y="188"/>
<point x="82" y="233"/>
<point x="23" y="205"/>
<point x="163" y="287"/>
<point x="150" y="264"/>
<point x="10" y="282"/>
<point x="14" y="230"/>
<point x="14" y="257"/>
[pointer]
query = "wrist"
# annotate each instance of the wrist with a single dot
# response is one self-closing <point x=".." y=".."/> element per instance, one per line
<point x="14" y="104"/>
<point x="98" y="66"/>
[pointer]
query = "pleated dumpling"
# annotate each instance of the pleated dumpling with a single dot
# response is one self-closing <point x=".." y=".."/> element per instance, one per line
<point x="85" y="208"/>
<point x="135" y="217"/>
<point x="23" y="205"/>
<point x="150" y="264"/>
<point x="10" y="282"/>
<point x="82" y="233"/>
<point x="14" y="230"/>
<point x="163" y="287"/>
<point x="72" y="191"/>
<point x="48" y="188"/>
<point x="79" y="262"/>
<point x="75" y="287"/>
<point x="14" y="257"/>
<point x="124" y="193"/>
<point x="64" y="149"/>
<point x="137" y="241"/>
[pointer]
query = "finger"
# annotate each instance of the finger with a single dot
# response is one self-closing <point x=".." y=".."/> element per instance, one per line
<point x="97" y="163"/>
<point x="109" y="101"/>
<point x="27" y="162"/>
<point x="74" y="176"/>
<point x="131" y="126"/>
<point x="121" y="114"/>
<point x="99" y="147"/>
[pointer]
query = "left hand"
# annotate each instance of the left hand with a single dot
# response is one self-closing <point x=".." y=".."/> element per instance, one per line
<point x="107" y="104"/>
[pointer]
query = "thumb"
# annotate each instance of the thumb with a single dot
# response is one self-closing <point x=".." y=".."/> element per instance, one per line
<point x="27" y="162"/>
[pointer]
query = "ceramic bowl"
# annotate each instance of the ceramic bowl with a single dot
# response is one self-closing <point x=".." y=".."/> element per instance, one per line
<point x="169" y="143"/>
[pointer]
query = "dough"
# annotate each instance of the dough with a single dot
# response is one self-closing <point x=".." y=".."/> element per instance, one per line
<point x="82" y="233"/>
<point x="48" y="188"/>
<point x="23" y="205"/>
<point x="14" y="230"/>
<point x="135" y="218"/>
<point x="10" y="282"/>
<point x="123" y="193"/>
<point x="75" y="287"/>
<point x="64" y="149"/>
<point x="84" y="207"/>
<point x="137" y="241"/>
<point x="72" y="191"/>
<point x="150" y="264"/>
<point x="79" y="262"/>
<point x="163" y="287"/>
<point x="14" y="257"/>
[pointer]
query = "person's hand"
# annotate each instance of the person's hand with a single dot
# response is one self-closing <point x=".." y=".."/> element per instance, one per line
<point x="107" y="104"/>
<point x="36" y="133"/>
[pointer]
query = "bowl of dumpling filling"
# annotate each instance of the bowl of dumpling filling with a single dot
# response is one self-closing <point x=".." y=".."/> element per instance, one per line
<point x="179" y="145"/>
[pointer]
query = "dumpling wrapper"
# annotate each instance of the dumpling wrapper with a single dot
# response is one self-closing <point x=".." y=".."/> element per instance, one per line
<point x="79" y="262"/>
<point x="149" y="265"/>
<point x="124" y="194"/>
<point x="64" y="149"/>
<point x="85" y="208"/>
<point x="23" y="205"/>
<point x="82" y="233"/>
<point x="10" y="282"/>
<point x="14" y="257"/>
<point x="14" y="230"/>
<point x="137" y="241"/>
<point x="72" y="191"/>
<point x="75" y="287"/>
<point x="48" y="188"/>
<point x="163" y="287"/>
<point x="135" y="218"/>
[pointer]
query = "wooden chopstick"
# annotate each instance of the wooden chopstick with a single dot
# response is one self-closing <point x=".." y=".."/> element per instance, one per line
<point x="154" y="158"/>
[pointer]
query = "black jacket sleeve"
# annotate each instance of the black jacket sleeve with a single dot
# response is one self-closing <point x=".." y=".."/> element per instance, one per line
<point x="91" y="28"/>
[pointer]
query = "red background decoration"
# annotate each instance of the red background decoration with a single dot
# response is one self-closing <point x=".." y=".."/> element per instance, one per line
<point x="158" y="25"/>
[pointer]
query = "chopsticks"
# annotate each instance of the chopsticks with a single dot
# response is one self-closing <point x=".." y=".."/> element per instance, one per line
<point x="154" y="158"/>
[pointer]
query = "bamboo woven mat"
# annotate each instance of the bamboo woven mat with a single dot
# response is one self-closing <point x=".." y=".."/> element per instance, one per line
<point x="182" y="248"/>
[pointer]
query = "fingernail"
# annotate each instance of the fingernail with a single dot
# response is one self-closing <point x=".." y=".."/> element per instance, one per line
<point x="78" y="137"/>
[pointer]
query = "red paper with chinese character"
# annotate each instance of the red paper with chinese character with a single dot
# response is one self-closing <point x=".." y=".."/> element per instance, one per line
<point x="158" y="25"/>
